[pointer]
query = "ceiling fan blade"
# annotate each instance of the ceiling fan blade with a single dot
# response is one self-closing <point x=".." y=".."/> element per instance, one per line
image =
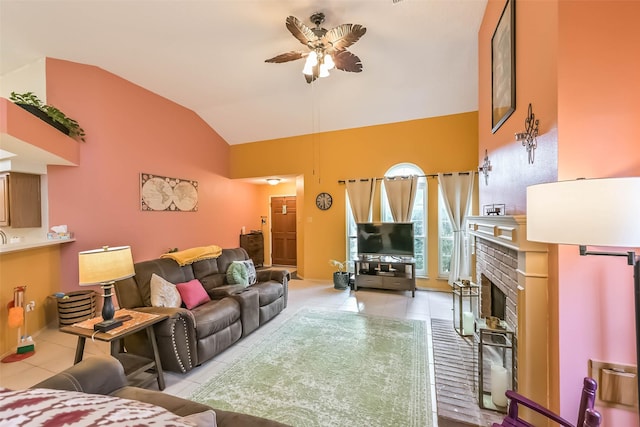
<point x="347" y="61"/>
<point x="286" y="57"/>
<point x="300" y="31"/>
<point x="343" y="36"/>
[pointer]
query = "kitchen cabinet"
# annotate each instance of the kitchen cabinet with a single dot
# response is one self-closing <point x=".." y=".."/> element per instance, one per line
<point x="20" y="200"/>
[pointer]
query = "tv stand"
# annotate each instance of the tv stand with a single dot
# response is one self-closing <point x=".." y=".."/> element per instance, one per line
<point x="394" y="273"/>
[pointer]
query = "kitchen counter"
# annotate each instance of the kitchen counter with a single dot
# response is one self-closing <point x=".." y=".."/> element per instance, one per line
<point x="23" y="246"/>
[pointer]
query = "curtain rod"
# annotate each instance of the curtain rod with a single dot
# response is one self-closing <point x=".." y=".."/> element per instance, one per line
<point x="430" y="175"/>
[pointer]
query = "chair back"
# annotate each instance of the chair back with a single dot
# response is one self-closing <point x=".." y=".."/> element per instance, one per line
<point x="587" y="416"/>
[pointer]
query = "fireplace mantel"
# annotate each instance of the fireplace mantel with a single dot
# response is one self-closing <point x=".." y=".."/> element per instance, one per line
<point x="520" y="269"/>
<point x="504" y="230"/>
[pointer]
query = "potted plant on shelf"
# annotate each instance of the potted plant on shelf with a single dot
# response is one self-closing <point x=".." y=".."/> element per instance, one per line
<point x="340" y="277"/>
<point x="48" y="113"/>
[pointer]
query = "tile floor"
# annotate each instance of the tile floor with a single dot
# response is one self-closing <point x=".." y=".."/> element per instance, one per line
<point x="55" y="350"/>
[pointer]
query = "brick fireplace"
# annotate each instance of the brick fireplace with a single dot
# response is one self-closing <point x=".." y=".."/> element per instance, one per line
<point x="512" y="273"/>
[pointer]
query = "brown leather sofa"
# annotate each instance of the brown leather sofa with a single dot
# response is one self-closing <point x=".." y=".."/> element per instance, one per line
<point x="105" y="375"/>
<point x="190" y="337"/>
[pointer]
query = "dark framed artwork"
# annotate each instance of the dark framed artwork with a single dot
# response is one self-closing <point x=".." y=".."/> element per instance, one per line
<point x="503" y="67"/>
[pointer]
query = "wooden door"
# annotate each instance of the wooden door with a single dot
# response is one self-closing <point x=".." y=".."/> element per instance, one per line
<point x="283" y="230"/>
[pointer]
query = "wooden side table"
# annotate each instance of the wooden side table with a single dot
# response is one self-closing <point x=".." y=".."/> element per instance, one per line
<point x="133" y="364"/>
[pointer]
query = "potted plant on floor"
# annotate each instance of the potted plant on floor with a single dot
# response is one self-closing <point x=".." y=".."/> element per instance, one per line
<point x="340" y="277"/>
<point x="48" y="113"/>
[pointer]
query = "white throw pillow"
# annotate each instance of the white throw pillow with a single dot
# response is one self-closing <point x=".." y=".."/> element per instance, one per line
<point x="251" y="271"/>
<point x="164" y="293"/>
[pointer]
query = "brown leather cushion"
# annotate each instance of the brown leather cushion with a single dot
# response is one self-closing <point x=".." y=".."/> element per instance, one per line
<point x="215" y="316"/>
<point x="268" y="292"/>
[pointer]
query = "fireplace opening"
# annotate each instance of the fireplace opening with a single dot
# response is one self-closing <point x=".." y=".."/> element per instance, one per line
<point x="498" y="302"/>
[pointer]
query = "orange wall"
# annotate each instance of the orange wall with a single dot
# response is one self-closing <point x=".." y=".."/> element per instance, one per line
<point x="132" y="130"/>
<point x="18" y="270"/>
<point x="598" y="111"/>
<point x="440" y="144"/>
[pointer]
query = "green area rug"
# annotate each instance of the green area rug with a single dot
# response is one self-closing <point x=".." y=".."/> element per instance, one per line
<point x="331" y="368"/>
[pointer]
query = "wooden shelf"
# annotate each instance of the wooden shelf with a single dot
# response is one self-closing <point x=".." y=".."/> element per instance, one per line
<point x="386" y="273"/>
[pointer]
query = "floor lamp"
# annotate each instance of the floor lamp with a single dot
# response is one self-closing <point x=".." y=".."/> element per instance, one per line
<point x="595" y="212"/>
<point x="105" y="266"/>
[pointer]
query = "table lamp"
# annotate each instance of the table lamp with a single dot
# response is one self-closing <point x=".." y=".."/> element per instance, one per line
<point x="105" y="266"/>
<point x="596" y="212"/>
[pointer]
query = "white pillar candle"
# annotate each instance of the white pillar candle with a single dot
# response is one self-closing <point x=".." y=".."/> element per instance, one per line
<point x="499" y="385"/>
<point x="467" y="323"/>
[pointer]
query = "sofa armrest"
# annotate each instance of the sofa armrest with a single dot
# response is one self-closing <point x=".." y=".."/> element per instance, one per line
<point x="249" y="301"/>
<point x="277" y="274"/>
<point x="176" y="338"/>
<point x="95" y="375"/>
<point x="177" y="405"/>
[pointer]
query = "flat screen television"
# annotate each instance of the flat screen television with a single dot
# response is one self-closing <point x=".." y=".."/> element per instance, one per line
<point x="385" y="239"/>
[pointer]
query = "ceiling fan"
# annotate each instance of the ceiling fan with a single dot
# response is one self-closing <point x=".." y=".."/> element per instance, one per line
<point x="327" y="49"/>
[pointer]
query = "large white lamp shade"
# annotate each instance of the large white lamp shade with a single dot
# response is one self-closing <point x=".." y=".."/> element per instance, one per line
<point x="596" y="212"/>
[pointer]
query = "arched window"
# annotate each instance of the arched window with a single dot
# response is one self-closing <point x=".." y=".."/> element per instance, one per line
<point x="419" y="215"/>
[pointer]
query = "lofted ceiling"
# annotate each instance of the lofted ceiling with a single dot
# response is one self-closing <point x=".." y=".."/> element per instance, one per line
<point x="419" y="57"/>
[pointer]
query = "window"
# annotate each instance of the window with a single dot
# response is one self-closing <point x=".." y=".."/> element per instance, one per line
<point x="352" y="232"/>
<point x="445" y="238"/>
<point x="418" y="217"/>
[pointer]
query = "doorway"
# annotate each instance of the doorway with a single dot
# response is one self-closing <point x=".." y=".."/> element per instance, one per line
<point x="283" y="230"/>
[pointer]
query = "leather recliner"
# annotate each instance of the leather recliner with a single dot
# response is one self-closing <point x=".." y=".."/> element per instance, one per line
<point x="190" y="337"/>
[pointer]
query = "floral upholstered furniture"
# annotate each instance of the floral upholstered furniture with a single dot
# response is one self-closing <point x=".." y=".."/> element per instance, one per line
<point x="95" y="392"/>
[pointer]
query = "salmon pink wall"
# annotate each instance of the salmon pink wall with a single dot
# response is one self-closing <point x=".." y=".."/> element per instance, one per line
<point x="575" y="64"/>
<point x="132" y="130"/>
<point x="536" y="22"/>
<point x="536" y="83"/>
<point x="598" y="110"/>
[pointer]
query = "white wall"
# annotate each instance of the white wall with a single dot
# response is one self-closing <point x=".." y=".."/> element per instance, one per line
<point x="29" y="78"/>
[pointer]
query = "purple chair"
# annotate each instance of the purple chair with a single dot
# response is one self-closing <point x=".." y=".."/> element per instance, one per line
<point x="587" y="416"/>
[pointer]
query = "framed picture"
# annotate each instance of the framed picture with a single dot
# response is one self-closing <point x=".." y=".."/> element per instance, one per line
<point x="161" y="193"/>
<point x="503" y="67"/>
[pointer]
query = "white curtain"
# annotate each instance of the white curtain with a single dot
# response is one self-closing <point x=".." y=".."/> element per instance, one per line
<point x="401" y="194"/>
<point x="360" y="192"/>
<point x="457" y="191"/>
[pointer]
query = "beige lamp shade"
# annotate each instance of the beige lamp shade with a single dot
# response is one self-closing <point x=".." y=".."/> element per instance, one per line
<point x="594" y="212"/>
<point x="105" y="265"/>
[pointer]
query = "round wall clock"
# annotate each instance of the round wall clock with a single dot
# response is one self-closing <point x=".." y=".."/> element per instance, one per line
<point x="324" y="201"/>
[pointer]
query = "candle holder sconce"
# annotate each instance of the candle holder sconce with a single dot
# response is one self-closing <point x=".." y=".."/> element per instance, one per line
<point x="529" y="136"/>
<point x="466" y="295"/>
<point x="496" y="365"/>
<point x="485" y="168"/>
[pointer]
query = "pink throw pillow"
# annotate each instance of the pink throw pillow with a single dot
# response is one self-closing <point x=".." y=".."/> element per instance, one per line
<point x="192" y="293"/>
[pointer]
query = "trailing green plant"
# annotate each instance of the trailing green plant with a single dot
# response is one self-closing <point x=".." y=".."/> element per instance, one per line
<point x="29" y="98"/>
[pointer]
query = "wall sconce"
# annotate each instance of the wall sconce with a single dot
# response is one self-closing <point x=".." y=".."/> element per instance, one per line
<point x="273" y="181"/>
<point x="528" y="137"/>
<point x="485" y="168"/>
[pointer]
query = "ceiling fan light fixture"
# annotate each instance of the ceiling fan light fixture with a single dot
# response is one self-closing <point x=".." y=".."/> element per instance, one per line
<point x="310" y="63"/>
<point x="328" y="62"/>
<point x="308" y="69"/>
<point x="327" y="49"/>
<point x="324" y="71"/>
